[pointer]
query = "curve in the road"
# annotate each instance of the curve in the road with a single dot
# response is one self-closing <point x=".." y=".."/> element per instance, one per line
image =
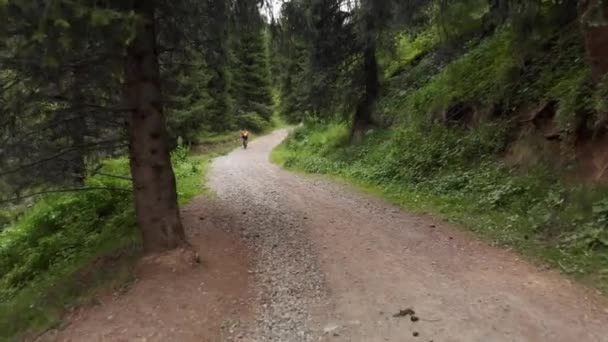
<point x="333" y="263"/>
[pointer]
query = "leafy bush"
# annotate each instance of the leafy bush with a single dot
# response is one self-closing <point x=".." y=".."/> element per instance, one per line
<point x="188" y="123"/>
<point x="59" y="231"/>
<point x="457" y="107"/>
<point x="458" y="173"/>
<point x="5" y="219"/>
<point x="64" y="233"/>
<point x="499" y="77"/>
<point x="600" y="102"/>
<point x="253" y="122"/>
<point x="407" y="48"/>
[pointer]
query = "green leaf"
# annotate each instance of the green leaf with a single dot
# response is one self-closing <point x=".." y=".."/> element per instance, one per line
<point x="65" y="42"/>
<point x="62" y="23"/>
<point x="39" y="36"/>
<point x="101" y="17"/>
<point x="132" y="34"/>
<point x="81" y="11"/>
<point x="51" y="62"/>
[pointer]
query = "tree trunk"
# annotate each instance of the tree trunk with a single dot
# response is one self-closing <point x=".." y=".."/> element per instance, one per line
<point x="77" y="166"/>
<point x="363" y="115"/>
<point x="498" y="12"/>
<point x="77" y="130"/>
<point x="153" y="178"/>
<point x="594" y="23"/>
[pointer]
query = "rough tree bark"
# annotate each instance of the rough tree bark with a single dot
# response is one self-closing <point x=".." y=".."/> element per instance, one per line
<point x="594" y="23"/>
<point x="363" y="115"/>
<point x="153" y="178"/>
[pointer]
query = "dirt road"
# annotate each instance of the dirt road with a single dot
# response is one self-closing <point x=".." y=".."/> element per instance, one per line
<point x="336" y="264"/>
<point x="290" y="258"/>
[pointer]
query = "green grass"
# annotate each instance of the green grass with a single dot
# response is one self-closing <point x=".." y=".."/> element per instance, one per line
<point x="456" y="176"/>
<point x="216" y="138"/>
<point x="454" y="167"/>
<point x="68" y="246"/>
<point x="277" y="122"/>
<point x="223" y="140"/>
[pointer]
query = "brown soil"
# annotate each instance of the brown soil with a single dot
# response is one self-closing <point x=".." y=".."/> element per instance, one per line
<point x="174" y="298"/>
<point x="593" y="161"/>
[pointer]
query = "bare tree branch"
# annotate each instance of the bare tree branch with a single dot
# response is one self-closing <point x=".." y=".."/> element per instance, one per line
<point x="64" y="191"/>
<point x="98" y="145"/>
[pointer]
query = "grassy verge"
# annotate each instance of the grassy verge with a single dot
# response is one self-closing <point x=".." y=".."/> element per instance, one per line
<point x="458" y="178"/>
<point x="214" y="139"/>
<point x="67" y="247"/>
<point x="454" y="120"/>
<point x="226" y="141"/>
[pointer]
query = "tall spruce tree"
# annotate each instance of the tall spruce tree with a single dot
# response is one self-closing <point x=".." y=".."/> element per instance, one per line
<point x="154" y="185"/>
<point x="83" y="80"/>
<point x="68" y="64"/>
<point x="250" y="70"/>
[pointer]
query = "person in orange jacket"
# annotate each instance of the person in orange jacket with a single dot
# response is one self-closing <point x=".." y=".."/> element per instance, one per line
<point x="245" y="137"/>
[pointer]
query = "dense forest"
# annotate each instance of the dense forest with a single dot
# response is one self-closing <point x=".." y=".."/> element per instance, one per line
<point x="67" y="113"/>
<point x="99" y="104"/>
<point x="491" y="113"/>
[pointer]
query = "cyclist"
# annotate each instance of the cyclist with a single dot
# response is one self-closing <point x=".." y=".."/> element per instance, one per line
<point x="245" y="137"/>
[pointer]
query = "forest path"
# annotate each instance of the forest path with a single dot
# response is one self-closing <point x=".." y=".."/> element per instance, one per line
<point x="336" y="264"/>
<point x="288" y="257"/>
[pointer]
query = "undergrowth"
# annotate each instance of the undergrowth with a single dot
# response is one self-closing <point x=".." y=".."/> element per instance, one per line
<point x="225" y="140"/>
<point x="455" y="167"/>
<point x="456" y="174"/>
<point x="66" y="245"/>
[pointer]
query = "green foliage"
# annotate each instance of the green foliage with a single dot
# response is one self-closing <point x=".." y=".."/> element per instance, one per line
<point x="600" y="103"/>
<point x="490" y="80"/>
<point x="480" y="78"/>
<point x="458" y="20"/>
<point x="57" y="237"/>
<point x="224" y="85"/>
<point x="562" y="76"/>
<point x="249" y="67"/>
<point x="407" y="48"/>
<point x="457" y="174"/>
<point x="426" y="161"/>
<point x="431" y="162"/>
<point x="190" y="107"/>
<point x="463" y="81"/>
<point x="316" y="68"/>
<point x="419" y="156"/>
<point x="5" y="220"/>
<point x="572" y="93"/>
<point x="57" y="231"/>
<point x="253" y="122"/>
<point x="63" y="113"/>
<point x="42" y="254"/>
<point x="593" y="234"/>
<point x="179" y="155"/>
<point x="214" y="139"/>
